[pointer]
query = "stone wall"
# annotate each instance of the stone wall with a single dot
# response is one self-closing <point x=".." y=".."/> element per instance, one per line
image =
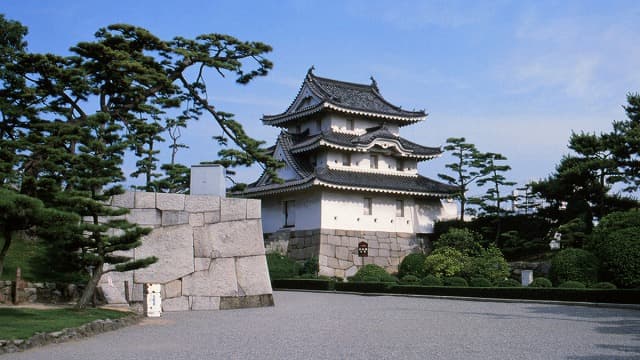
<point x="210" y="250"/>
<point x="337" y="250"/>
<point x="30" y="292"/>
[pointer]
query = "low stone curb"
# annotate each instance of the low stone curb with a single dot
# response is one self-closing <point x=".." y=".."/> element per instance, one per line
<point x="87" y="330"/>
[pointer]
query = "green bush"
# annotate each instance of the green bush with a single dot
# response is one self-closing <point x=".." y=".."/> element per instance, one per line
<point x="311" y="266"/>
<point x="541" y="283"/>
<point x="431" y="280"/>
<point x="572" y="285"/>
<point x="480" y="282"/>
<point x="410" y="279"/>
<point x="603" y="286"/>
<point x="282" y="267"/>
<point x="575" y="265"/>
<point x="445" y="262"/>
<point x="507" y="283"/>
<point x="412" y="264"/>
<point x="455" y="281"/>
<point x="371" y="273"/>
<point x="489" y="264"/>
<point x="621" y="257"/>
<point x="461" y="239"/>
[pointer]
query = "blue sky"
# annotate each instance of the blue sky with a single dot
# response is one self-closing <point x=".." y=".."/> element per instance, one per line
<point x="514" y="77"/>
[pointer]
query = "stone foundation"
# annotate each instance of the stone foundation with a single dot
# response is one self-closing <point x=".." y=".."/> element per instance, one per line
<point x="210" y="251"/>
<point x="337" y="250"/>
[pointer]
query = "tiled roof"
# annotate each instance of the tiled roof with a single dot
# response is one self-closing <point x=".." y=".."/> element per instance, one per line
<point x="355" y="141"/>
<point x="373" y="181"/>
<point x="357" y="99"/>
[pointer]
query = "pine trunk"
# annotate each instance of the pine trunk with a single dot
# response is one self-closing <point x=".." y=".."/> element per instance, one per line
<point x="5" y="248"/>
<point x="90" y="289"/>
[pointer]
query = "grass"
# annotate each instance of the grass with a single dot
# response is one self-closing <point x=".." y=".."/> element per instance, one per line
<point x="20" y="252"/>
<point x="22" y="323"/>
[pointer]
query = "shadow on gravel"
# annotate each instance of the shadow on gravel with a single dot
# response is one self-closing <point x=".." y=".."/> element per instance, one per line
<point x="629" y="327"/>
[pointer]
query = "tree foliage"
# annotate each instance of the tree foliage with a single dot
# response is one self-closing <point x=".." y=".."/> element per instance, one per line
<point x="466" y="168"/>
<point x="68" y="121"/>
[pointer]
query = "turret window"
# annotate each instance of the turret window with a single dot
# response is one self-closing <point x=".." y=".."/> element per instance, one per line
<point x="399" y="208"/>
<point x="367" y="206"/>
<point x="346" y="159"/>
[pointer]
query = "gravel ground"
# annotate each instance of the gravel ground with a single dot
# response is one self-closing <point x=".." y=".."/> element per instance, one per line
<point x="340" y="326"/>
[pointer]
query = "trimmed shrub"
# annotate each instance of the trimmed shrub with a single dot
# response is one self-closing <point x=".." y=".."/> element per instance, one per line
<point x="445" y="262"/>
<point x="541" y="283"/>
<point x="311" y="266"/>
<point x="507" y="283"/>
<point x="574" y="265"/>
<point x="489" y="264"/>
<point x="620" y="256"/>
<point x="371" y="272"/>
<point x="412" y="264"/>
<point x="463" y="240"/>
<point x="410" y="279"/>
<point x="603" y="286"/>
<point x="572" y="285"/>
<point x="455" y="281"/>
<point x="431" y="280"/>
<point x="282" y="267"/>
<point x="480" y="282"/>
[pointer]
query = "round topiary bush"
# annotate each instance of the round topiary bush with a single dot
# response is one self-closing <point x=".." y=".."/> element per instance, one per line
<point x="410" y="279"/>
<point x="575" y="265"/>
<point x="455" y="281"/>
<point x="372" y="273"/>
<point x="541" y="283"/>
<point x="431" y="280"/>
<point x="603" y="286"/>
<point x="480" y="282"/>
<point x="445" y="262"/>
<point x="282" y="267"/>
<point x="412" y="264"/>
<point x="489" y="264"/>
<point x="507" y="283"/>
<point x="572" y="285"/>
<point x="619" y="251"/>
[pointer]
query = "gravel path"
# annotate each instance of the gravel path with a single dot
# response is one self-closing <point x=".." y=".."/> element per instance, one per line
<point x="339" y="326"/>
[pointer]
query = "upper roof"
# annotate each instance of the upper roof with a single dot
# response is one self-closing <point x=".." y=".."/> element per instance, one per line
<point x="317" y="94"/>
<point x="379" y="135"/>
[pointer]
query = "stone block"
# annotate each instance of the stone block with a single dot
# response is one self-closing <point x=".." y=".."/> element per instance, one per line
<point x="339" y="273"/>
<point x="144" y="200"/>
<point x="174" y="248"/>
<point x="219" y="280"/>
<point x="384" y="252"/>
<point x="367" y="260"/>
<point x="144" y="217"/>
<point x="328" y="250"/>
<point x="205" y="303"/>
<point x="112" y="294"/>
<point x="175" y="304"/>
<point x="233" y="209"/>
<point x="373" y="252"/>
<point x="202" y="203"/>
<point x="381" y="261"/>
<point x="322" y="260"/>
<point x="196" y="219"/>
<point x="382" y="234"/>
<point x="254" y="209"/>
<point x="253" y="275"/>
<point x="326" y="271"/>
<point x="172" y="289"/>
<point x="171" y="218"/>
<point x="334" y="240"/>
<point x="341" y="232"/>
<point x="201" y="264"/>
<point x="373" y="244"/>
<point x="242" y="302"/>
<point x="125" y="200"/>
<point x="345" y="264"/>
<point x="343" y="253"/>
<point x="166" y="201"/>
<point x="333" y="263"/>
<point x="236" y="238"/>
<point x="212" y="217"/>
<point x="137" y="292"/>
<point x="328" y="232"/>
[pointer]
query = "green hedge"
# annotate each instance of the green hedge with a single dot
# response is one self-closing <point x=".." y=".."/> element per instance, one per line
<point x="303" y="284"/>
<point x="364" y="287"/>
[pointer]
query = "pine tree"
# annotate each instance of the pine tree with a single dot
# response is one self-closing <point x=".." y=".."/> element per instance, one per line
<point x="466" y="168"/>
